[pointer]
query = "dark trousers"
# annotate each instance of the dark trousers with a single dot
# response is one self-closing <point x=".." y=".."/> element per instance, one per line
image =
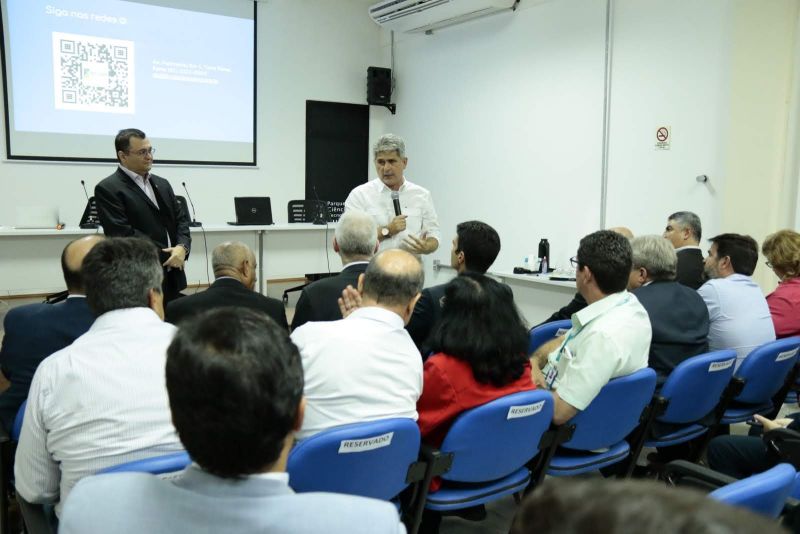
<point x="739" y="456"/>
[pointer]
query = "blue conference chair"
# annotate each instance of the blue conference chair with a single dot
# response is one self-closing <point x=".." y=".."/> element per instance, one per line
<point x="487" y="450"/>
<point x="600" y="430"/>
<point x="694" y="389"/>
<point x="764" y="493"/>
<point x="369" y="459"/>
<point x="541" y="334"/>
<point x="157" y="465"/>
<point x="763" y="371"/>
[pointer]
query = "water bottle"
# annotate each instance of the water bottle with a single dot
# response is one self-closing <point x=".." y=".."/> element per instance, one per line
<point x="544" y="253"/>
<point x="543" y="265"/>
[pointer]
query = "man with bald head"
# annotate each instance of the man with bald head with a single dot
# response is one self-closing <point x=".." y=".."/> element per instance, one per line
<point x="35" y="331"/>
<point x="365" y="367"/>
<point x="234" y="267"/>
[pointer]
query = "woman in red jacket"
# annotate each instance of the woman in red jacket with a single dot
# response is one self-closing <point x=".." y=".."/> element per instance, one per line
<point x="479" y="354"/>
<point x="782" y="250"/>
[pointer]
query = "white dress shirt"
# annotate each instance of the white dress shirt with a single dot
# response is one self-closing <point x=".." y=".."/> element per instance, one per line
<point x="375" y="198"/>
<point x="99" y="402"/>
<point x="739" y="314"/>
<point x="361" y="368"/>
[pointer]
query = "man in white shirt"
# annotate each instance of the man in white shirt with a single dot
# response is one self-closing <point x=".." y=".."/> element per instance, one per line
<point x="739" y="314"/>
<point x="609" y="338"/>
<point x="235" y="386"/>
<point x="416" y="228"/>
<point x="101" y="401"/>
<point x="365" y="367"/>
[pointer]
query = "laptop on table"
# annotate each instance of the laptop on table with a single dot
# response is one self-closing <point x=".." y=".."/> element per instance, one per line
<point x="252" y="211"/>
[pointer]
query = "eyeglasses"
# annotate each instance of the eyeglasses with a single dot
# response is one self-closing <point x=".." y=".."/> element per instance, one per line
<point x="144" y="152"/>
<point x="574" y="261"/>
<point x="769" y="264"/>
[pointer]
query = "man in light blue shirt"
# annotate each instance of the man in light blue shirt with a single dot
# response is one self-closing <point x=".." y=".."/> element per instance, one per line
<point x="740" y="318"/>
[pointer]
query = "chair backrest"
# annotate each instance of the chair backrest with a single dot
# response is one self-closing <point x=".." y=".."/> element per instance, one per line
<point x="764" y="493"/>
<point x="157" y="465"/>
<point x="368" y="459"/>
<point x="543" y="333"/>
<point x="497" y="438"/>
<point x="16" y="430"/>
<point x="765" y="368"/>
<point x="614" y="412"/>
<point x="696" y="385"/>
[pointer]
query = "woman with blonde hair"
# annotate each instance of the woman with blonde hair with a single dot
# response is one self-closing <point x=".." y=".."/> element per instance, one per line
<point x="782" y="250"/>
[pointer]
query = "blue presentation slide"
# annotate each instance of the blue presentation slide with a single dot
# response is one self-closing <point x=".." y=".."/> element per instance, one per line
<point x="86" y="67"/>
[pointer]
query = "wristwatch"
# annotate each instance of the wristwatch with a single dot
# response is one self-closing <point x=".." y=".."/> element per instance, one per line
<point x="385" y="231"/>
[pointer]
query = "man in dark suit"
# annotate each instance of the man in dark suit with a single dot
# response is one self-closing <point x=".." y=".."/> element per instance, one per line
<point x="684" y="232"/>
<point x="134" y="202"/>
<point x="475" y="247"/>
<point x="35" y="331"/>
<point x="234" y="267"/>
<point x="678" y="315"/>
<point x="356" y="242"/>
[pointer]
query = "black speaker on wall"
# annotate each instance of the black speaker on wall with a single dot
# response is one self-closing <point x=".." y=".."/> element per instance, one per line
<point x="379" y="86"/>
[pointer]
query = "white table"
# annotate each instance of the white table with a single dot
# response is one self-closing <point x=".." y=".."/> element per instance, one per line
<point x="29" y="258"/>
<point x="537" y="297"/>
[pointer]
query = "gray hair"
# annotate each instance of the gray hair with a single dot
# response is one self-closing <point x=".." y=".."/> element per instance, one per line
<point x="119" y="273"/>
<point x="356" y="234"/>
<point x="393" y="277"/>
<point x="230" y="255"/>
<point x="687" y="219"/>
<point x="389" y="143"/>
<point x="656" y="255"/>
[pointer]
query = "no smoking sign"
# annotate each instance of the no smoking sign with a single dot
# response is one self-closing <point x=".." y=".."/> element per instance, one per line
<point x="663" y="137"/>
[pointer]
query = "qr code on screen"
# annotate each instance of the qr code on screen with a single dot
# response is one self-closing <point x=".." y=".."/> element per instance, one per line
<point x="93" y="73"/>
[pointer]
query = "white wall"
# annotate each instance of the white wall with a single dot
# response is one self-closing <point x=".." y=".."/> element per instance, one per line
<point x="307" y="50"/>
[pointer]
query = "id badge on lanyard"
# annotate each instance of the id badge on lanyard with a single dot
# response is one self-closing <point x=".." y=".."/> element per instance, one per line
<point x="551" y="371"/>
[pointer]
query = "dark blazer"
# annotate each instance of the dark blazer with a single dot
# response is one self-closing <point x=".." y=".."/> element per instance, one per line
<point x="225" y="292"/>
<point x="32" y="333"/>
<point x="319" y="300"/>
<point x="679" y="319"/>
<point x="575" y="305"/>
<point x="125" y="211"/>
<point x="690" y="268"/>
<point x="426" y="314"/>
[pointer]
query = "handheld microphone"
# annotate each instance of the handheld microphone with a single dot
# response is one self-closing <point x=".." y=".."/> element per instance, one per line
<point x="319" y="218"/>
<point x="90" y="223"/>
<point x="396" y="202"/>
<point x="195" y="223"/>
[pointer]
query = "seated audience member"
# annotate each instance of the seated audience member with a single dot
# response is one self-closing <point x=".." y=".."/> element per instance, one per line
<point x="101" y="401"/>
<point x="234" y="267"/>
<point x="678" y="316"/>
<point x="479" y="355"/>
<point x="739" y="314"/>
<point x="475" y="247"/>
<point x="235" y="386"/>
<point x="782" y="250"/>
<point x="578" y="302"/>
<point x="356" y="241"/>
<point x="613" y="506"/>
<point x="684" y="232"/>
<point x="365" y="366"/>
<point x="740" y="456"/>
<point x="35" y="331"/>
<point x="609" y="338"/>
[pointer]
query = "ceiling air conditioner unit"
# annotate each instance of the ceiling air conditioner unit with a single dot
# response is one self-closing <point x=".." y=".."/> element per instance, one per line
<point x="414" y="16"/>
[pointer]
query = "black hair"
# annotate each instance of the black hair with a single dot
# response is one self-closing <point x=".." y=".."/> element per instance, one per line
<point x="608" y="255"/>
<point x="741" y="249"/>
<point x="480" y="244"/>
<point x="621" y="506"/>
<point x="122" y="142"/>
<point x="119" y="272"/>
<point x="481" y="325"/>
<point x="235" y="381"/>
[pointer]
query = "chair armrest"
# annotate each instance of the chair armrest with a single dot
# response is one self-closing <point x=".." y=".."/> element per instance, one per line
<point x="678" y="469"/>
